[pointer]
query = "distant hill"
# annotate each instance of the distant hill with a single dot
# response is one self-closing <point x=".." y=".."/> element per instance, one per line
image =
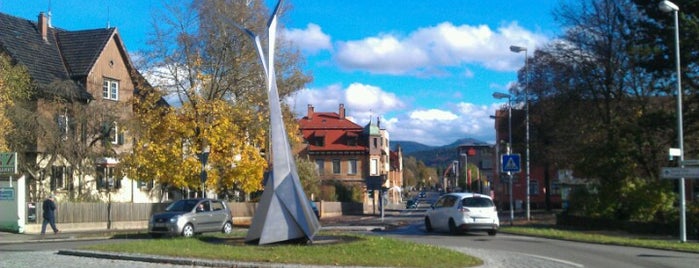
<point x="410" y="146"/>
<point x="432" y="156"/>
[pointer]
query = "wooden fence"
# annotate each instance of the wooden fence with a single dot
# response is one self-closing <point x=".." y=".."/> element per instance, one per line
<point x="69" y="212"/>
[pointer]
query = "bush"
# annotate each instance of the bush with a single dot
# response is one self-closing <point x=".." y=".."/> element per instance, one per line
<point x="328" y="193"/>
<point x="635" y="200"/>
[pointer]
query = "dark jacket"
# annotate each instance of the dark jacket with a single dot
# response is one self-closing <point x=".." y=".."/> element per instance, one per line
<point x="49" y="207"/>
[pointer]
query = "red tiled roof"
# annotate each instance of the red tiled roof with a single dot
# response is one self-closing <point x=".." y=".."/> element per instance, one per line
<point x="335" y="131"/>
<point x="327" y="120"/>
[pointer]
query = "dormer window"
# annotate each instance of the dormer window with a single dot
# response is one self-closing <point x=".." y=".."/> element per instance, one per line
<point x="110" y="89"/>
<point x="319" y="141"/>
<point x="351" y="139"/>
<point x="318" y="138"/>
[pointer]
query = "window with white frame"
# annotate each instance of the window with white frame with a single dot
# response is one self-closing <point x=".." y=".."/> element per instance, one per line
<point x="145" y="184"/>
<point x="114" y="134"/>
<point x="110" y="89"/>
<point x="111" y="134"/>
<point x="59" y="177"/>
<point x="320" y="166"/>
<point x="62" y="121"/>
<point x="374" y="167"/>
<point x="106" y="178"/>
<point x="336" y="166"/>
<point x="352" y="166"/>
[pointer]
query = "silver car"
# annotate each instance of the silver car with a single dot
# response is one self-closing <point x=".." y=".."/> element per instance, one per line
<point x="460" y="212"/>
<point x="187" y="217"/>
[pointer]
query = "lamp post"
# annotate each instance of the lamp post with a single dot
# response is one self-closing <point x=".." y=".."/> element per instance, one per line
<point x="517" y="49"/>
<point x="455" y="166"/>
<point x="667" y="6"/>
<point x="499" y="95"/>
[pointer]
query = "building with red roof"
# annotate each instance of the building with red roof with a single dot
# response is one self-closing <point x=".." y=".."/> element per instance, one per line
<point x="346" y="152"/>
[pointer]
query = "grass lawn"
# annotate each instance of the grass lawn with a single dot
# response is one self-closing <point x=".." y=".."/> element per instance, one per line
<point x="329" y="248"/>
<point x="601" y="238"/>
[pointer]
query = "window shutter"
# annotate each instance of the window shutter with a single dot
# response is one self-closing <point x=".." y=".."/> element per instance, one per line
<point x="121" y="139"/>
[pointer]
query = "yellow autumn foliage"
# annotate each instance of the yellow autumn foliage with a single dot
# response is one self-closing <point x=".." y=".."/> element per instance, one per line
<point x="171" y="141"/>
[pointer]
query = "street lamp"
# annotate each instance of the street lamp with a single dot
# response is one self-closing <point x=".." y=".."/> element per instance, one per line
<point x="517" y="49"/>
<point x="667" y="6"/>
<point x="499" y="95"/>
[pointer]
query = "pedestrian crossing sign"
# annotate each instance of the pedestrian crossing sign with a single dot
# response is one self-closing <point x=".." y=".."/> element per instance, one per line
<point x="511" y="163"/>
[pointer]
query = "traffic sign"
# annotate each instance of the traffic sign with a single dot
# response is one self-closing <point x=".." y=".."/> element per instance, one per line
<point x="510" y="163"/>
<point x="678" y="172"/>
<point x="8" y="163"/>
<point x="691" y="162"/>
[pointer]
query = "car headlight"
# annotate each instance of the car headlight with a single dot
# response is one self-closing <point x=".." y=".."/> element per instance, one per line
<point x="174" y="219"/>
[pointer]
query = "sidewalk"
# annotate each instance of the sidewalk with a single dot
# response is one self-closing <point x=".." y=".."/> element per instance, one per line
<point x="11" y="238"/>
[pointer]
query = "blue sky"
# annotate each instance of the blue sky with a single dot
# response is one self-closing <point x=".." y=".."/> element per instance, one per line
<point x="426" y="68"/>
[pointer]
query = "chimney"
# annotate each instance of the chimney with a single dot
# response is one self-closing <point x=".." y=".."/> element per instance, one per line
<point x="310" y="112"/>
<point x="43" y="26"/>
<point x="342" y="111"/>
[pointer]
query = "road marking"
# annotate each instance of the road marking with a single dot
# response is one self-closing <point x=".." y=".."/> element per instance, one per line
<point x="554" y="260"/>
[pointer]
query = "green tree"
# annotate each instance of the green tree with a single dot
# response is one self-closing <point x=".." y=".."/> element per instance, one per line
<point x="308" y="177"/>
<point x="596" y="109"/>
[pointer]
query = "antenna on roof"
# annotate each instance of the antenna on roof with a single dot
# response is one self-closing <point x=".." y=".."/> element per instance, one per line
<point x="108" y="24"/>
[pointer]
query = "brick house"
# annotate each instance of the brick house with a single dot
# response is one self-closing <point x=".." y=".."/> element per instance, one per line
<point x="84" y="82"/>
<point x="346" y="152"/>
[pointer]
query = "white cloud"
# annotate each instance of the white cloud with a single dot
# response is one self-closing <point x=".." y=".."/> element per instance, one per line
<point x="432" y="115"/>
<point x="443" y="126"/>
<point x="361" y="101"/>
<point x="312" y="39"/>
<point x="436" y="47"/>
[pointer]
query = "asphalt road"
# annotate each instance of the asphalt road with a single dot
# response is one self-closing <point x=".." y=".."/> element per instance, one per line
<point x="502" y="250"/>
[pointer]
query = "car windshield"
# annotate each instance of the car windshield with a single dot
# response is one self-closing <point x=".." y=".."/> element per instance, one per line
<point x="181" y="205"/>
<point x="477" y="202"/>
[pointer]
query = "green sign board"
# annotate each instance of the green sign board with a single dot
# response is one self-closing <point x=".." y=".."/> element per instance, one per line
<point x="7" y="193"/>
<point x="8" y="163"/>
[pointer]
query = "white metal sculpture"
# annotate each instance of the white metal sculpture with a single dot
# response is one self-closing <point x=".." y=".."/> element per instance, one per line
<point x="284" y="212"/>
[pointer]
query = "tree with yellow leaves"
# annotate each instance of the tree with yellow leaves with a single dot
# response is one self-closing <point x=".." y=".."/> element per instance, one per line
<point x="210" y="72"/>
<point x="15" y="86"/>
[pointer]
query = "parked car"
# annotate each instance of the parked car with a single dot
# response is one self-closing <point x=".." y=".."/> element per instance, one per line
<point x="412" y="203"/>
<point x="187" y="217"/>
<point x="461" y="212"/>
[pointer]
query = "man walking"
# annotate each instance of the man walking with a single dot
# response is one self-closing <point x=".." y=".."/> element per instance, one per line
<point x="49" y="207"/>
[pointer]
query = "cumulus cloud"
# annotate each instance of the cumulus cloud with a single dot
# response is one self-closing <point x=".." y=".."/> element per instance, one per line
<point x="437" y="126"/>
<point x="362" y="101"/>
<point x="438" y="46"/>
<point x="443" y="126"/>
<point x="312" y="39"/>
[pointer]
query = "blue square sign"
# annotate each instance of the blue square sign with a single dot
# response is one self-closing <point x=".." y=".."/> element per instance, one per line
<point x="511" y="163"/>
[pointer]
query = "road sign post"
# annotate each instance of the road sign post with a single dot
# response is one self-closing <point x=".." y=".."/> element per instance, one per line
<point x="511" y="163"/>
<point x="679" y="172"/>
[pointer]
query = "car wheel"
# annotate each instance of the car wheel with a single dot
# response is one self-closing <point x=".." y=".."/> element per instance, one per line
<point x="428" y="225"/>
<point x="188" y="230"/>
<point x="227" y="228"/>
<point x="452" y="227"/>
<point x="492" y="232"/>
<point x="155" y="235"/>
